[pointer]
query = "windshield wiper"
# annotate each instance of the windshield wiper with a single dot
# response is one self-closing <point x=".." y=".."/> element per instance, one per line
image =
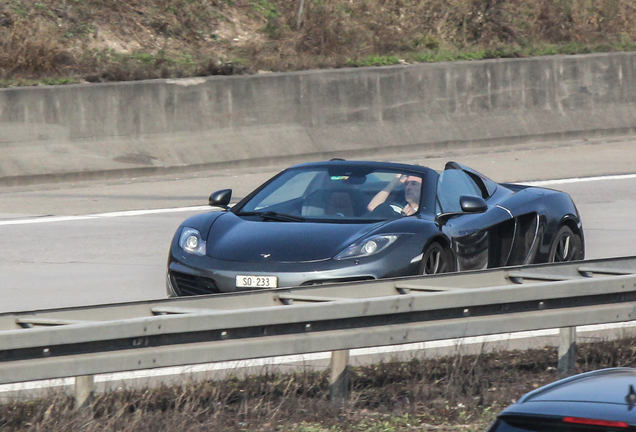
<point x="271" y="215"/>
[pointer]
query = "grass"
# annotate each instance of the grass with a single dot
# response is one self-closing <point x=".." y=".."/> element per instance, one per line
<point x="45" y="42"/>
<point x="455" y="393"/>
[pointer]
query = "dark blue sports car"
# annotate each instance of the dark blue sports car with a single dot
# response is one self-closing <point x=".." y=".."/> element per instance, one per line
<point x="349" y="221"/>
<point x="597" y="401"/>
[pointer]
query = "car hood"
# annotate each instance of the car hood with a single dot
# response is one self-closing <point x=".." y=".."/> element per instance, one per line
<point x="232" y="238"/>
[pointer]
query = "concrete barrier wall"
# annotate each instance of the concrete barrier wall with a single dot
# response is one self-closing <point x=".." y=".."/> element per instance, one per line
<point x="162" y="125"/>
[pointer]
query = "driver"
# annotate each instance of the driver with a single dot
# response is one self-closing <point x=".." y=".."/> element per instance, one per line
<point x="412" y="191"/>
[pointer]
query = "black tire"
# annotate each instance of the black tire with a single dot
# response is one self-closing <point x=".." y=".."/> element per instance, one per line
<point x="436" y="259"/>
<point x="566" y="246"/>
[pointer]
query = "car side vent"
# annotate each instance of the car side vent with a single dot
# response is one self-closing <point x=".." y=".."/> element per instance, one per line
<point x="189" y="285"/>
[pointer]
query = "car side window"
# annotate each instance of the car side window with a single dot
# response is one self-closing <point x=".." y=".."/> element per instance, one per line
<point x="451" y="185"/>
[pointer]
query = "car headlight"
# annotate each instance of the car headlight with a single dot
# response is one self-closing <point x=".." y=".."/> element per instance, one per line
<point x="192" y="242"/>
<point x="367" y="247"/>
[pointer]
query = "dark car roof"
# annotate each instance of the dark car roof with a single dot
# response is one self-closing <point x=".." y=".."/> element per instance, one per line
<point x="603" y="394"/>
<point x="597" y="386"/>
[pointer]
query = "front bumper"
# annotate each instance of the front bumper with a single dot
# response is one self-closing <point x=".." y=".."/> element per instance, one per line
<point x="198" y="275"/>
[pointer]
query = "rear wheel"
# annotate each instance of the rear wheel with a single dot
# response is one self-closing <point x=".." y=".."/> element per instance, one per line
<point x="566" y="246"/>
<point x="436" y="259"/>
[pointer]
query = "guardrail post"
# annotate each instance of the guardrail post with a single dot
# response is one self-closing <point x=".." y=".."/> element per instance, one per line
<point x="339" y="379"/>
<point x="84" y="390"/>
<point x="567" y="352"/>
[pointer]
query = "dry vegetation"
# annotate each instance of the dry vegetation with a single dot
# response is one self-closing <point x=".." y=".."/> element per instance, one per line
<point x="458" y="393"/>
<point x="62" y="41"/>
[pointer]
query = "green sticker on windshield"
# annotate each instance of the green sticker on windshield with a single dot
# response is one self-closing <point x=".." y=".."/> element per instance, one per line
<point x="335" y="178"/>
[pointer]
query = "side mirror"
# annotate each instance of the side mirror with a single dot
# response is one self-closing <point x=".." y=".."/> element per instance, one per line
<point x="472" y="204"/>
<point x="468" y="204"/>
<point x="221" y="198"/>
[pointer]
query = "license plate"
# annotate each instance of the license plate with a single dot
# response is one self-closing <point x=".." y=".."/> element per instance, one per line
<point x="246" y="281"/>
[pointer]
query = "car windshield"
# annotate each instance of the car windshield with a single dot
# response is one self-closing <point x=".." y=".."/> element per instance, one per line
<point x="337" y="193"/>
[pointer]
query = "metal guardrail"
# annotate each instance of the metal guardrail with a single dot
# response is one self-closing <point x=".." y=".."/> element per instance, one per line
<point x="83" y="341"/>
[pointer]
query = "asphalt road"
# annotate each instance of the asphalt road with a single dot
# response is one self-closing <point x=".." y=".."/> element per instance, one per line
<point x="65" y="244"/>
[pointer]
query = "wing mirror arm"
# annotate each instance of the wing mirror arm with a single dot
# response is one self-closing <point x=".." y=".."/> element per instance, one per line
<point x="221" y="199"/>
<point x="443" y="217"/>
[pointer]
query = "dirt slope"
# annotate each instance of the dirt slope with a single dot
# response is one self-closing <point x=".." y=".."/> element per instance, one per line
<point x="60" y="41"/>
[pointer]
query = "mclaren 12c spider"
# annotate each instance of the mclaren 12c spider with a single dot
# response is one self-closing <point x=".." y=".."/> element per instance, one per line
<point x="340" y="221"/>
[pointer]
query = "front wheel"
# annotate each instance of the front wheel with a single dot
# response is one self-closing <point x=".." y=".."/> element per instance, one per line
<point x="436" y="259"/>
<point x="566" y="246"/>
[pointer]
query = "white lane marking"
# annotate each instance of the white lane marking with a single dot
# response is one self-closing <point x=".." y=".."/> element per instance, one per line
<point x="578" y="180"/>
<point x="304" y="358"/>
<point x="51" y="219"/>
